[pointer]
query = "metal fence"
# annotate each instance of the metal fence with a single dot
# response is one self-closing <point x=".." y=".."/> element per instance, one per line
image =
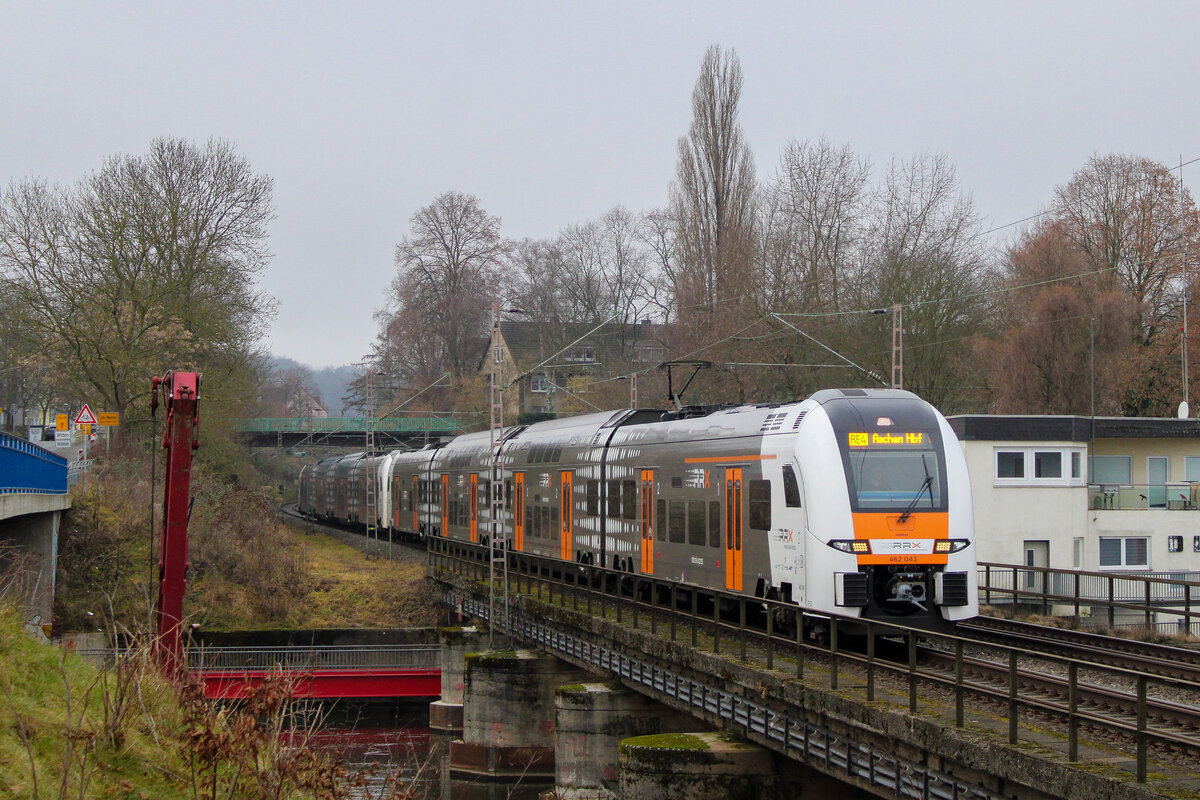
<point x="1166" y="602"/>
<point x="26" y="468"/>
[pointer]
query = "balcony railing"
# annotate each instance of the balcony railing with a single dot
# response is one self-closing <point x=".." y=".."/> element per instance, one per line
<point x="1144" y="496"/>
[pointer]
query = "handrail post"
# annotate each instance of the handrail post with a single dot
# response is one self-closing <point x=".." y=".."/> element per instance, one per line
<point x="833" y="653"/>
<point x="911" y="636"/>
<point x="1112" y="611"/>
<point x="693" y="621"/>
<point x="716" y="624"/>
<point x="1147" y="584"/>
<point x="1076" y="576"/>
<point x="799" y="618"/>
<point x="674" y="609"/>
<point x="742" y="626"/>
<point x="870" y="663"/>
<point x="770" y="638"/>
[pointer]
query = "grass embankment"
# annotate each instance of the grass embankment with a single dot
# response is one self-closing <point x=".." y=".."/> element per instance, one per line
<point x="71" y="731"/>
<point x="249" y="568"/>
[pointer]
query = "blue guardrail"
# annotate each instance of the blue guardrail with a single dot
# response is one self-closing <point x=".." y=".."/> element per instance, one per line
<point x="26" y="468"/>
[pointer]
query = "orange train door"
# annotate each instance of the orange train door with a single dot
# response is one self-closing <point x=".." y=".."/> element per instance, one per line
<point x="415" y="506"/>
<point x="647" y="492"/>
<point x="473" y="503"/>
<point x="445" y="504"/>
<point x="566" y="500"/>
<point x="519" y="510"/>
<point x="733" y="529"/>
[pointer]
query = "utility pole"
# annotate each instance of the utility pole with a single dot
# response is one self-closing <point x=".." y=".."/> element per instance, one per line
<point x="1184" y="410"/>
<point x="897" y="347"/>
<point x="370" y="477"/>
<point x="633" y="398"/>
<point x="496" y="542"/>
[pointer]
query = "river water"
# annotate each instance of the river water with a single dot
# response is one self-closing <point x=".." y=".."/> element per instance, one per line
<point x="391" y="754"/>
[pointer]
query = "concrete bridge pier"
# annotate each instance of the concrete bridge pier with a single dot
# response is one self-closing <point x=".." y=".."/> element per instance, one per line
<point x="29" y="551"/>
<point x="446" y="713"/>
<point x="699" y="766"/>
<point x="590" y="720"/>
<point x="508" y="715"/>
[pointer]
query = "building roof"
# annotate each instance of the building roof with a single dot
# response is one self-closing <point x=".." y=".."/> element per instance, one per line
<point x="532" y="342"/>
<point x="1064" y="428"/>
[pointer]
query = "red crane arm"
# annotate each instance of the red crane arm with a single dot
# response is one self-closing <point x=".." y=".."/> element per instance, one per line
<point x="181" y="396"/>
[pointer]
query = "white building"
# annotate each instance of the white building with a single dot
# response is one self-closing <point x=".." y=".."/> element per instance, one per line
<point x="1097" y="494"/>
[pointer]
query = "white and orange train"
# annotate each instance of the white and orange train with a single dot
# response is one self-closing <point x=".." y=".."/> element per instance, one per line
<point x="854" y="501"/>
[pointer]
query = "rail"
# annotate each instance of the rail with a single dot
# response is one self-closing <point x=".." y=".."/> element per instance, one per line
<point x="764" y="632"/>
<point x="1167" y="603"/>
<point x="26" y="468"/>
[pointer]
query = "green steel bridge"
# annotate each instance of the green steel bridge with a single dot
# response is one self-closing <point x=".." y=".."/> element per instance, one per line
<point x="390" y="432"/>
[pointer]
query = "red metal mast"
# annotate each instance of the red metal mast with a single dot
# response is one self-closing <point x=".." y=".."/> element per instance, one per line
<point x="181" y="395"/>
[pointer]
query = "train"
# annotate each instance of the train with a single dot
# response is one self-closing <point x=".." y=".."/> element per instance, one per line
<point x="854" y="502"/>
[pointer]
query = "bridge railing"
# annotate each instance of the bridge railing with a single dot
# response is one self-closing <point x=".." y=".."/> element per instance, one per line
<point x="26" y="468"/>
<point x="315" y="658"/>
<point x="1168" y="602"/>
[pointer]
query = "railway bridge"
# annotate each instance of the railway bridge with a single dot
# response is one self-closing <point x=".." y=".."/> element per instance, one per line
<point x="894" y="714"/>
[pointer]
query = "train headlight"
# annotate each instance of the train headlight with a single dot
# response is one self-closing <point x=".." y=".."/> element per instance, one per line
<point x="859" y="547"/>
<point x="950" y="545"/>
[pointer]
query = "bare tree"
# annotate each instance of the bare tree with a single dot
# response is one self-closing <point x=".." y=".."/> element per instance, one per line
<point x="713" y="197"/>
<point x="1124" y="214"/>
<point x="149" y="263"/>
<point x="926" y="254"/>
<point x="814" y="219"/>
<point x="447" y="278"/>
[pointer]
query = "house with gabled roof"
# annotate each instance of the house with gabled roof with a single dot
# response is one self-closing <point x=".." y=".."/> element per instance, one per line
<point x="560" y="369"/>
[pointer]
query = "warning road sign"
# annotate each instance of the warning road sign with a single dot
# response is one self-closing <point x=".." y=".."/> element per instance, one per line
<point x="85" y="416"/>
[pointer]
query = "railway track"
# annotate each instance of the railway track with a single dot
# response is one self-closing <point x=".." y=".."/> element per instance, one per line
<point x="1164" y="661"/>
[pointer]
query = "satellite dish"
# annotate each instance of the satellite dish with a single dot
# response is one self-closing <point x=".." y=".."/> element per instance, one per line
<point x="1183" y="410"/>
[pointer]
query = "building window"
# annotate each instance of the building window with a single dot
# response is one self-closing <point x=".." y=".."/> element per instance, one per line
<point x="1010" y="464"/>
<point x="1191" y="469"/>
<point x="580" y="354"/>
<point x="1039" y="466"/>
<point x="1125" y="551"/>
<point x="1047" y="464"/>
<point x="1174" y="544"/>
<point x="1110" y="470"/>
<point x="539" y="383"/>
<point x="1077" y="552"/>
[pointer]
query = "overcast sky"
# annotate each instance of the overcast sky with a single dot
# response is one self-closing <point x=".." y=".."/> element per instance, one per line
<point x="552" y="113"/>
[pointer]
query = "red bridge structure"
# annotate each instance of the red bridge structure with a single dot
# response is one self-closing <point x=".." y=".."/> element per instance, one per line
<point x="229" y="673"/>
<point x="393" y="671"/>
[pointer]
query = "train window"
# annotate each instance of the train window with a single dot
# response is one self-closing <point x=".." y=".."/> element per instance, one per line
<point x="614" y="499"/>
<point x="592" y="491"/>
<point x="552" y="528"/>
<point x="714" y="523"/>
<point x="677" y="482"/>
<point x="629" y="499"/>
<point x="791" y="488"/>
<point x="530" y="520"/>
<point x="760" y="505"/>
<point x="556" y="455"/>
<point x="678" y="520"/>
<point x="697" y="517"/>
<point x="508" y="495"/>
<point x="662" y="516"/>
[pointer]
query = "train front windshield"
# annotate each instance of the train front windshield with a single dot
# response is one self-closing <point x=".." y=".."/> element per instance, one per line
<point x="895" y="480"/>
